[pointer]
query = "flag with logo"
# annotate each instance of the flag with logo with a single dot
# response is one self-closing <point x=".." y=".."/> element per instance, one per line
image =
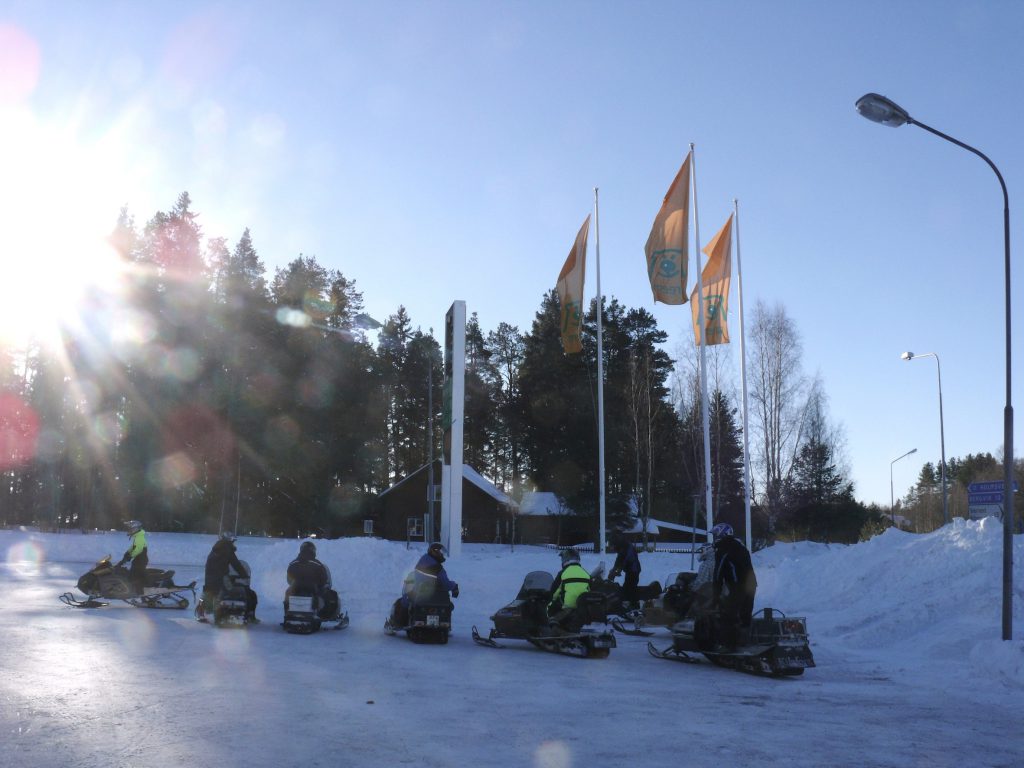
<point x="667" y="246"/>
<point x="570" y="292"/>
<point x="715" y="279"/>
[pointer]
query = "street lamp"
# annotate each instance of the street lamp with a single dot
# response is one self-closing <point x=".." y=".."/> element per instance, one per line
<point x="892" y="498"/>
<point x="879" y="109"/>
<point x="942" y="429"/>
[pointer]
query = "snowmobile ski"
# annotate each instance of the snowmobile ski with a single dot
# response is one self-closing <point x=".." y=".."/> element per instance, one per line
<point x="671" y="654"/>
<point x="485" y="641"/>
<point x="635" y="632"/>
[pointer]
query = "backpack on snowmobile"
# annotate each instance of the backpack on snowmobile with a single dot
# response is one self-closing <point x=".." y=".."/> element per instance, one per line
<point x="526" y="618"/>
<point x="113" y="582"/>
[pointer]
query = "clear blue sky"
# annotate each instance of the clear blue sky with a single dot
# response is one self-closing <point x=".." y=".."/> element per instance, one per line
<point x="448" y="150"/>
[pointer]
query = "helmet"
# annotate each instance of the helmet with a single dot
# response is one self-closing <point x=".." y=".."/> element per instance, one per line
<point x="437" y="551"/>
<point x="720" y="530"/>
<point x="133" y="526"/>
<point x="570" y="556"/>
<point x="308" y="549"/>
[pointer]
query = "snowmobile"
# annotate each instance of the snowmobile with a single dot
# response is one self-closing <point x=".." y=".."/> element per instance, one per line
<point x="774" y="644"/>
<point x="622" y="611"/>
<point x="426" y="621"/>
<point x="305" y="612"/>
<point x="113" y="582"/>
<point x="231" y="606"/>
<point x="526" y="618"/>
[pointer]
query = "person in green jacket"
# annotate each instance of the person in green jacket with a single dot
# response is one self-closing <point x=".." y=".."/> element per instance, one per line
<point x="138" y="554"/>
<point x="571" y="582"/>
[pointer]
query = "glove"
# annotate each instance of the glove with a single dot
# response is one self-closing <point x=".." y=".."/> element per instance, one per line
<point x="612" y="575"/>
<point x="455" y="591"/>
<point x="122" y="561"/>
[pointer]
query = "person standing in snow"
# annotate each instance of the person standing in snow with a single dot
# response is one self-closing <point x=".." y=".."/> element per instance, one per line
<point x="627" y="561"/>
<point x="138" y="554"/>
<point x="734" y="584"/>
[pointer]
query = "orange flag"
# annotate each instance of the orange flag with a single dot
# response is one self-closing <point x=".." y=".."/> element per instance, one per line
<point x="715" y="280"/>
<point x="667" y="246"/>
<point x="570" y="291"/>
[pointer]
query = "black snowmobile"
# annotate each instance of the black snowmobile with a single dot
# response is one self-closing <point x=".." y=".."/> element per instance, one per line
<point x="424" y="621"/>
<point x="231" y="606"/>
<point x="774" y="644"/>
<point x="305" y="612"/>
<point x="526" y="618"/>
<point x="113" y="582"/>
<point x="621" y="611"/>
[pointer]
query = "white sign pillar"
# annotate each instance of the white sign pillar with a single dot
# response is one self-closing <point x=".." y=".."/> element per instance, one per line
<point x="454" y="409"/>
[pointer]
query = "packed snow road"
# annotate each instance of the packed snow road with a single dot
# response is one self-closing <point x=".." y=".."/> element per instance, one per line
<point x="122" y="686"/>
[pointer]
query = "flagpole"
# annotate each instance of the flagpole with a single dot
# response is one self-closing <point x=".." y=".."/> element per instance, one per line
<point x="709" y="512"/>
<point x="743" y="380"/>
<point x="600" y="376"/>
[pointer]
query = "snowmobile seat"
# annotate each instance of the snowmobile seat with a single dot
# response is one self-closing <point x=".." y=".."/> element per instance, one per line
<point x="591" y="607"/>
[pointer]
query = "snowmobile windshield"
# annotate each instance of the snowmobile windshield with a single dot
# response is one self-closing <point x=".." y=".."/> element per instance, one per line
<point x="539" y="581"/>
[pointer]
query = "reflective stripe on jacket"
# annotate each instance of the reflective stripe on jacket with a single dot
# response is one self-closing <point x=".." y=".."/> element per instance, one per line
<point x="572" y="582"/>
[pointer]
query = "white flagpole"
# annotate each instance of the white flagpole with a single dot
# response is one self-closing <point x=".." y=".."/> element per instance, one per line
<point x="600" y="376"/>
<point x="743" y="380"/>
<point x="709" y="511"/>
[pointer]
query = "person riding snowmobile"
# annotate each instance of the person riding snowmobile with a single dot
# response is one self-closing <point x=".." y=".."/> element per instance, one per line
<point x="571" y="582"/>
<point x="428" y="582"/>
<point x="627" y="561"/>
<point x="138" y="554"/>
<point x="309" y="575"/>
<point x="221" y="561"/>
<point x="734" y="584"/>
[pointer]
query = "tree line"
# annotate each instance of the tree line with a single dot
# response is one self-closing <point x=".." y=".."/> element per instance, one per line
<point x="207" y="391"/>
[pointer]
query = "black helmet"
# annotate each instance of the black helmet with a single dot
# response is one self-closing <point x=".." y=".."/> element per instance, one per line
<point x="569" y="557"/>
<point x="437" y="551"/>
<point x="307" y="549"/>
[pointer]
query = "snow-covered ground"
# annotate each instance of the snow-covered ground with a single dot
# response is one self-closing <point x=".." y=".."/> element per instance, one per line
<point x="905" y="631"/>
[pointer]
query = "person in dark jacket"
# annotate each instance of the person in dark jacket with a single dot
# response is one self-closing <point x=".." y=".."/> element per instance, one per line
<point x="307" y="575"/>
<point x="220" y="563"/>
<point x="627" y="561"/>
<point x="428" y="582"/>
<point x="734" y="584"/>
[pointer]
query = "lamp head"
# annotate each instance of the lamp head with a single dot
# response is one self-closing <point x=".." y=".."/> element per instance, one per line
<point x="879" y="109"/>
<point x="907" y="356"/>
<point x="912" y="450"/>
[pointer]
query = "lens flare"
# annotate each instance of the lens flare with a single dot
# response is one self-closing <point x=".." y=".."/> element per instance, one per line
<point x="25" y="560"/>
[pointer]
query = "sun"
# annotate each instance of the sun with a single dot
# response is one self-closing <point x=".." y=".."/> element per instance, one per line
<point x="55" y="197"/>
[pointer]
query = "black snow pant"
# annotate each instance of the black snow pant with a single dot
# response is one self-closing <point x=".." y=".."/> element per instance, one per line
<point x="137" y="574"/>
<point x="629" y="585"/>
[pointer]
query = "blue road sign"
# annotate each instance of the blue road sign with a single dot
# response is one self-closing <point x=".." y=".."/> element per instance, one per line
<point x="985" y="498"/>
<point x="989" y="486"/>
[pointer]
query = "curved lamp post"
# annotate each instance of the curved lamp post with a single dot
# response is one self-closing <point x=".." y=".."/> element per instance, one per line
<point x="892" y="497"/>
<point x="879" y="109"/>
<point x="942" y="430"/>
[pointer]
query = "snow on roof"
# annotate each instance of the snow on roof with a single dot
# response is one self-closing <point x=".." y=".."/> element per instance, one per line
<point x="539" y="503"/>
<point x="653" y="526"/>
<point x="486" y="485"/>
<point x="469" y="474"/>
